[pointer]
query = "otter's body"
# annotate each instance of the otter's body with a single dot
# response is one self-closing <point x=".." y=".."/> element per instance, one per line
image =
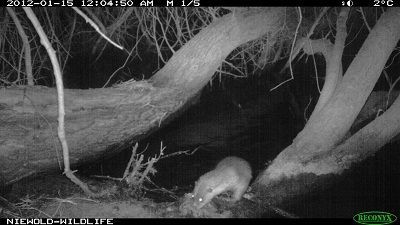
<point x="230" y="174"/>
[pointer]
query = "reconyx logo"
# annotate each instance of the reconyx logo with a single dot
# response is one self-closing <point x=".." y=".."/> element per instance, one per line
<point x="374" y="217"/>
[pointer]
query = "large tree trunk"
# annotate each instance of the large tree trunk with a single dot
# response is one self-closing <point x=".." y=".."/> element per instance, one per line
<point x="321" y="150"/>
<point x="101" y="120"/>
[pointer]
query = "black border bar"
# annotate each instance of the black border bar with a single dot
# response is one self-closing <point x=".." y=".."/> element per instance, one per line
<point x="196" y="3"/>
<point x="301" y="3"/>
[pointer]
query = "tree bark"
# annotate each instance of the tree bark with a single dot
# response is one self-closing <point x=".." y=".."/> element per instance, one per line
<point x="321" y="150"/>
<point x="104" y="121"/>
<point x="226" y="34"/>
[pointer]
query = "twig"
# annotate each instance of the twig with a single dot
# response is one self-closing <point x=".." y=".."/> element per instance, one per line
<point x="88" y="20"/>
<point x="26" y="46"/>
<point x="147" y="170"/>
<point x="134" y="148"/>
<point x="291" y="52"/>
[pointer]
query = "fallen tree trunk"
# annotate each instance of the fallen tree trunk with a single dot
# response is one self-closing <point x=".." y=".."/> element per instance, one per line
<point x="102" y="120"/>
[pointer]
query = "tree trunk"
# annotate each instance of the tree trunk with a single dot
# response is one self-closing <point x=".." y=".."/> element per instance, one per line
<point x="321" y="150"/>
<point x="104" y="121"/>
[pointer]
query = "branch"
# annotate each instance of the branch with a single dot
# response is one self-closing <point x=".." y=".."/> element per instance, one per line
<point x="60" y="93"/>
<point x="26" y="46"/>
<point x="96" y="20"/>
<point x="88" y="20"/>
<point x="370" y="138"/>
<point x="334" y="68"/>
<point x="299" y="45"/>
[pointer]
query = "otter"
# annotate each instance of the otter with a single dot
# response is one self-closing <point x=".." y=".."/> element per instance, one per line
<point x="231" y="174"/>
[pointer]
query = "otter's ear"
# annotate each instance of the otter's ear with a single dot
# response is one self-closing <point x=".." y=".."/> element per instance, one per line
<point x="209" y="189"/>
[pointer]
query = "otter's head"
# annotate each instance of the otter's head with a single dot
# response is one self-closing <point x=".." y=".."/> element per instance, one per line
<point x="202" y="197"/>
<point x="203" y="191"/>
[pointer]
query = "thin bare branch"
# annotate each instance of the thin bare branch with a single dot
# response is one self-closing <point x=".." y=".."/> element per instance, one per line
<point x="88" y="20"/>
<point x="26" y="46"/>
